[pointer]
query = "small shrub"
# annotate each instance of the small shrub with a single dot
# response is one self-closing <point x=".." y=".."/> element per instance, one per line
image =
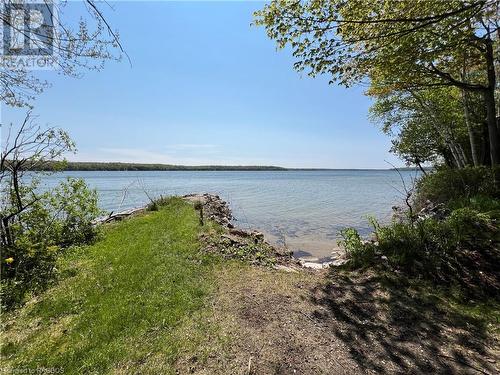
<point x="481" y="203"/>
<point x="468" y="225"/>
<point x="436" y="249"/>
<point x="35" y="225"/>
<point x="159" y="202"/>
<point x="413" y="247"/>
<point x="76" y="206"/>
<point x="451" y="186"/>
<point x="360" y="253"/>
<point x="36" y="236"/>
<point x="455" y="243"/>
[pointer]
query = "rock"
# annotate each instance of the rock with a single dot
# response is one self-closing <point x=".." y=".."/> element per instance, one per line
<point x="213" y="207"/>
<point x="315" y="265"/>
<point x="281" y="267"/>
<point x="256" y="235"/>
<point x="233" y="240"/>
<point x="339" y="262"/>
<point x="239" y="232"/>
<point x="431" y="210"/>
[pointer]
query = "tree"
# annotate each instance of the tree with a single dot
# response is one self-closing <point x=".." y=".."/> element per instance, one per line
<point x="31" y="146"/>
<point x="426" y="126"/>
<point x="77" y="45"/>
<point x="35" y="223"/>
<point x="394" y="45"/>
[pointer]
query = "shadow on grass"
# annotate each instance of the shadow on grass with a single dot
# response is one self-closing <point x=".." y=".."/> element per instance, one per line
<point x="390" y="327"/>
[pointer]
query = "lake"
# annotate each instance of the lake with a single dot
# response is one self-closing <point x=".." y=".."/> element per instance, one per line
<point x="304" y="209"/>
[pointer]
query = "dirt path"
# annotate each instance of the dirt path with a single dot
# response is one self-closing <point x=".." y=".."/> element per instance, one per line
<point x="325" y="323"/>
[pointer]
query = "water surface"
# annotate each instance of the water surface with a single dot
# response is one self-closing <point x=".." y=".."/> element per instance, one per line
<point x="304" y="209"/>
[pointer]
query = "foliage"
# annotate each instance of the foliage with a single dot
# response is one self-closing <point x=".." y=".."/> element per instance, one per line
<point x="399" y="46"/>
<point x="157" y="203"/>
<point x="350" y="39"/>
<point x="408" y="43"/>
<point x="468" y="225"/>
<point x="454" y="238"/>
<point x="36" y="223"/>
<point x="429" y="126"/>
<point x="58" y="219"/>
<point x="360" y="252"/>
<point x="482" y="203"/>
<point x="75" y="207"/>
<point x="458" y="187"/>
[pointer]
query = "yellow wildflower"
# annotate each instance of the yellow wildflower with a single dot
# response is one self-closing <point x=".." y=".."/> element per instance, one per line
<point x="9" y="260"/>
<point x="52" y="249"/>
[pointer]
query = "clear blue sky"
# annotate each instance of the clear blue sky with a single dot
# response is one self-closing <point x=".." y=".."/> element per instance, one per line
<point x="206" y="87"/>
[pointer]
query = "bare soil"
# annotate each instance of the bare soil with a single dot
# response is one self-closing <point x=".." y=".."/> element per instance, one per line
<point x="328" y="322"/>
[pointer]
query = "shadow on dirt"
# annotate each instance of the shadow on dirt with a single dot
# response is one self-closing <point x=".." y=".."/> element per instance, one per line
<point x="390" y="328"/>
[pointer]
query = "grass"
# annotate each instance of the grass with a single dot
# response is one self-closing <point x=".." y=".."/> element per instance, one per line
<point x="130" y="303"/>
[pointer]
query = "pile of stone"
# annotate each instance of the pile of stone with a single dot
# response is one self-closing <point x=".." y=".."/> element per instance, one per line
<point x="234" y="242"/>
<point x="213" y="208"/>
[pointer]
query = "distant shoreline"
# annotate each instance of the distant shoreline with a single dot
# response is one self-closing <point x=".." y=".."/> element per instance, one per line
<point x="118" y="166"/>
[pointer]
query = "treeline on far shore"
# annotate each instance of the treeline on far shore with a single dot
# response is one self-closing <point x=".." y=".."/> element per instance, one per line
<point x="116" y="166"/>
<point x="119" y="166"/>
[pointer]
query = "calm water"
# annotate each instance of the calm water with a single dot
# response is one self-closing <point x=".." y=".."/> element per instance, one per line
<point x="306" y="209"/>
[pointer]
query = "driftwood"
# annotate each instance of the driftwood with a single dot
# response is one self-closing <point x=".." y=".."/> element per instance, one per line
<point x="118" y="216"/>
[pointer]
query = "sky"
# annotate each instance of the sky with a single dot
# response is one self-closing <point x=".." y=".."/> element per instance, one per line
<point x="206" y="87"/>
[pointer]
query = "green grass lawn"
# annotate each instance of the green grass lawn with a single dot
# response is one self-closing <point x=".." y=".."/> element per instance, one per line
<point x="131" y="303"/>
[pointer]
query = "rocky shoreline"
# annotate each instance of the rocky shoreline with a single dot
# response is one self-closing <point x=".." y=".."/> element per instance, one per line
<point x="213" y="207"/>
<point x="234" y="242"/>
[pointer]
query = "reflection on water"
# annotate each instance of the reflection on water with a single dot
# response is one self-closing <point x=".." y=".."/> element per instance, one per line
<point x="304" y="209"/>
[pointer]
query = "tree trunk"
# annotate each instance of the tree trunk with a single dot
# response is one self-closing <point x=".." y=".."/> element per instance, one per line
<point x="452" y="146"/>
<point x="463" y="156"/>
<point x="446" y="157"/>
<point x="455" y="148"/>
<point x="474" y="148"/>
<point x="485" y="144"/>
<point x="456" y="155"/>
<point x="489" y="99"/>
<point x="15" y="186"/>
<point x="445" y="133"/>
<point x="421" y="168"/>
